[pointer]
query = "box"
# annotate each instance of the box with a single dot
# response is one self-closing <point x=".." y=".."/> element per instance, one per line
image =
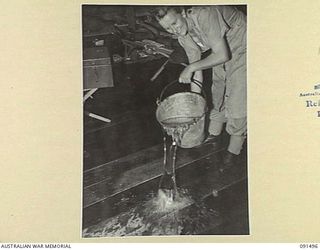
<point x="97" y="69"/>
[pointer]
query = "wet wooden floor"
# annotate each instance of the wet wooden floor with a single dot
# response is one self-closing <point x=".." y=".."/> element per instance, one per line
<point x="123" y="165"/>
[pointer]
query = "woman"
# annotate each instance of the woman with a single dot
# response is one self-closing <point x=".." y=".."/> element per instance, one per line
<point x="221" y="29"/>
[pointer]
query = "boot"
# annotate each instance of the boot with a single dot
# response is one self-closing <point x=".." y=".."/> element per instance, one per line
<point x="215" y="140"/>
<point x="229" y="160"/>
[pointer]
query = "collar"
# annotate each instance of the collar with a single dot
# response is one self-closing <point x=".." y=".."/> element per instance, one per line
<point x="190" y="23"/>
<point x="188" y="17"/>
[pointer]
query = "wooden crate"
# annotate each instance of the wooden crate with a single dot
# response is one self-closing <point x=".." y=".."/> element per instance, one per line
<point x="97" y="69"/>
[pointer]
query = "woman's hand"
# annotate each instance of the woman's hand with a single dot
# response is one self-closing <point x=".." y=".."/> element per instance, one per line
<point x="186" y="75"/>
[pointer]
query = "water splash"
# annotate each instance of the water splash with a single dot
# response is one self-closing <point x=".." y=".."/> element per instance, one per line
<point x="164" y="203"/>
<point x="158" y="215"/>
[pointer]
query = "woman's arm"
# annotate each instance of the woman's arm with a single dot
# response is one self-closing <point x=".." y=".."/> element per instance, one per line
<point x="220" y="54"/>
<point x="194" y="54"/>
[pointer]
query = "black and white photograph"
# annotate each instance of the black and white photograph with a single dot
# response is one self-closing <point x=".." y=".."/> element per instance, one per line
<point x="164" y="120"/>
<point x="160" y="122"/>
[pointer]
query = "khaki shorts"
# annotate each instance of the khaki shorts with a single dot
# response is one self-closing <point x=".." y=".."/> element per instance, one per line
<point x="234" y="126"/>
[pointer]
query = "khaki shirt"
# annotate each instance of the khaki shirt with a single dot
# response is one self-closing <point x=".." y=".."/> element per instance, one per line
<point x="209" y="23"/>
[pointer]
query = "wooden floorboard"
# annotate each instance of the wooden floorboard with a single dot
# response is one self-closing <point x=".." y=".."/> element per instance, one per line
<point x="118" y="141"/>
<point x="108" y="170"/>
<point x="123" y="164"/>
<point x="232" y="205"/>
<point x="115" y="120"/>
<point x="199" y="178"/>
<point x="115" y="178"/>
<point x="195" y="217"/>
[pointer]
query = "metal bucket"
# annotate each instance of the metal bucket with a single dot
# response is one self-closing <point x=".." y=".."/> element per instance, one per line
<point x="182" y="116"/>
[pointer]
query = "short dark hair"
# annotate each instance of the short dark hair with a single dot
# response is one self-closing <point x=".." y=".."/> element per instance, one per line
<point x="160" y="11"/>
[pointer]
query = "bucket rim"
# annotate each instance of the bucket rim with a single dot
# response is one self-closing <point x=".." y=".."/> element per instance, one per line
<point x="167" y="99"/>
<point x="176" y="81"/>
<point x="182" y="93"/>
<point x="192" y="120"/>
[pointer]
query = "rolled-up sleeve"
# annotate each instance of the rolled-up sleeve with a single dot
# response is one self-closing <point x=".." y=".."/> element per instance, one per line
<point x="212" y="23"/>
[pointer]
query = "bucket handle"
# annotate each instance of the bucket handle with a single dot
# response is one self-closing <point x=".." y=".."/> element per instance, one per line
<point x="198" y="83"/>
